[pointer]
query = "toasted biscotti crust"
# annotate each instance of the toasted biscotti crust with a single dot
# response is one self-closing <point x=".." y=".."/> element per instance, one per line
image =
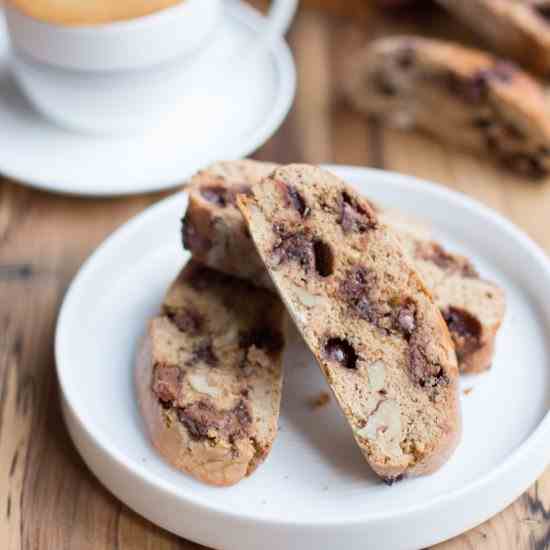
<point x="367" y="317"/>
<point x="213" y="229"/>
<point x="517" y="29"/>
<point x="209" y="375"/>
<point x="216" y="234"/>
<point x="462" y="96"/>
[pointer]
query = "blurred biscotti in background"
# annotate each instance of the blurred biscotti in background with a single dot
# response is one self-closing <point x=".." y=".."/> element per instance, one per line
<point x="460" y="95"/>
<point x="518" y="29"/>
<point x="353" y="7"/>
<point x="466" y="72"/>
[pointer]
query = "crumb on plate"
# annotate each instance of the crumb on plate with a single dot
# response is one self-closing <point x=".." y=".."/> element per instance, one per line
<point x="320" y="400"/>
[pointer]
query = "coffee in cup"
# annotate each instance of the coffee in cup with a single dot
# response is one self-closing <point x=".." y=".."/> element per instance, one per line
<point x="89" y="12"/>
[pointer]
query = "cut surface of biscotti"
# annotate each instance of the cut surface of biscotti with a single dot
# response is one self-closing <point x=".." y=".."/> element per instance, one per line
<point x="364" y="313"/>
<point x="209" y="375"/>
<point x="518" y="29"/>
<point x="472" y="307"/>
<point x="463" y="96"/>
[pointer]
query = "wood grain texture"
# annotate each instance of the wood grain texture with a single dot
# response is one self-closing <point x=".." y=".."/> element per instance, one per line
<point x="48" y="499"/>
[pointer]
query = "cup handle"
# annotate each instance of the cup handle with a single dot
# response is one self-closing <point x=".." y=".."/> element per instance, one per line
<point x="234" y="61"/>
<point x="280" y="16"/>
<point x="276" y="23"/>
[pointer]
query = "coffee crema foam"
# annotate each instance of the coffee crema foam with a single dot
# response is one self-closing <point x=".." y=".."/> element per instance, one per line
<point x="89" y="12"/>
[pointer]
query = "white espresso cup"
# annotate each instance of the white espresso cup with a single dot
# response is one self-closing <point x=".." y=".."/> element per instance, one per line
<point x="121" y="77"/>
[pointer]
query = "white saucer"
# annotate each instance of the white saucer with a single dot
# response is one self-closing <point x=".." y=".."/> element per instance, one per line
<point x="315" y="490"/>
<point x="227" y="121"/>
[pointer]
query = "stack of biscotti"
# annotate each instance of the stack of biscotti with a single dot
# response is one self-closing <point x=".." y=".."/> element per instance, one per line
<point x="214" y="231"/>
<point x="354" y="279"/>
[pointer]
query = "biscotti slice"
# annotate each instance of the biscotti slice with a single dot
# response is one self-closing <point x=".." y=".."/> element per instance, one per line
<point x="463" y="96"/>
<point x="472" y="307"/>
<point x="209" y="375"/>
<point x="518" y="29"/>
<point x="364" y="313"/>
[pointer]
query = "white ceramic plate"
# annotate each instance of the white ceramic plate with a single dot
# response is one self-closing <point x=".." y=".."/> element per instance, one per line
<point x="229" y="120"/>
<point x="315" y="490"/>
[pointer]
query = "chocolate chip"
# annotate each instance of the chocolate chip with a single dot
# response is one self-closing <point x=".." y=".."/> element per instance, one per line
<point x="192" y="240"/>
<point x="355" y="215"/>
<point x="465" y="329"/>
<point x="355" y="291"/>
<point x="203" y="353"/>
<point x="324" y="258"/>
<point x="425" y="372"/>
<point x="224" y="196"/>
<point x="341" y="351"/>
<point x="543" y="10"/>
<point x="462" y="323"/>
<point x="295" y="247"/>
<point x="201" y="417"/>
<point x="390" y="316"/>
<point x="417" y="363"/>
<point x="513" y="131"/>
<point x="471" y="90"/>
<point x="382" y="85"/>
<point x="215" y="194"/>
<point x="390" y="480"/>
<point x="474" y="89"/>
<point x="482" y="122"/>
<point x="166" y="384"/>
<point x="504" y="71"/>
<point x="433" y="252"/>
<point x="492" y="143"/>
<point x="405" y="57"/>
<point x="263" y="337"/>
<point x="297" y="201"/>
<point x="186" y="320"/>
<point x="526" y="164"/>
<point x="196" y="419"/>
<point x="280" y="230"/>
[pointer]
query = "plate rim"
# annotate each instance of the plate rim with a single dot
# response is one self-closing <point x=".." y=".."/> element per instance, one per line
<point x="529" y="449"/>
<point x="283" y="66"/>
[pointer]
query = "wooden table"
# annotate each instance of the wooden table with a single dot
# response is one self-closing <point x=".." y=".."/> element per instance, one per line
<point x="48" y="498"/>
